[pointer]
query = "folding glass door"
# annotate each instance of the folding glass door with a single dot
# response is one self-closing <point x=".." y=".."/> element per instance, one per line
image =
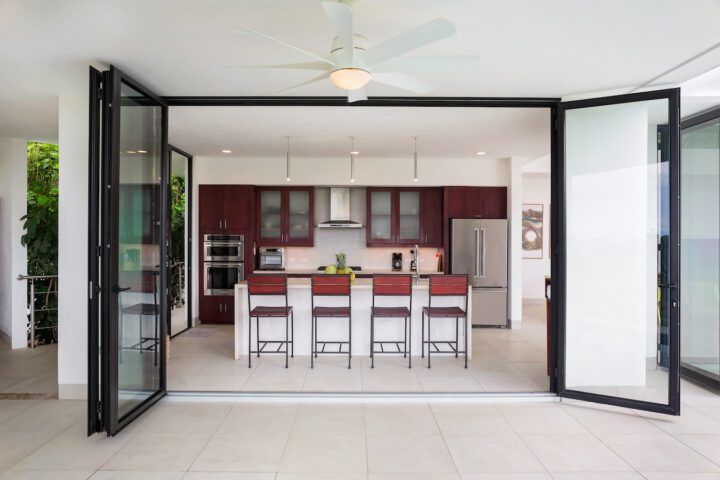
<point x="128" y="236"/>
<point x="700" y="231"/>
<point x="179" y="275"/>
<point x="617" y="293"/>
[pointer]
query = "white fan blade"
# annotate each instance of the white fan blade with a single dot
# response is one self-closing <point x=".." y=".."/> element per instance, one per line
<point x="341" y="18"/>
<point x="322" y="66"/>
<point x="357" y="95"/>
<point x="401" y="80"/>
<point x="322" y="76"/>
<point x="418" y="37"/>
<point x="317" y="55"/>
<point x="440" y="62"/>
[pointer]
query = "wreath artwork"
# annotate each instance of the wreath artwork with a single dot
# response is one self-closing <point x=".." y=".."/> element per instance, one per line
<point x="532" y="231"/>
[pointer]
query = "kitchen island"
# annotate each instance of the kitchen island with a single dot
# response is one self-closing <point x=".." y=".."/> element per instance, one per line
<point x="388" y="329"/>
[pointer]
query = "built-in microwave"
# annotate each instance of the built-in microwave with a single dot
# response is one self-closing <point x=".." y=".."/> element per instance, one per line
<point x="271" y="259"/>
<point x="221" y="277"/>
<point x="224" y="248"/>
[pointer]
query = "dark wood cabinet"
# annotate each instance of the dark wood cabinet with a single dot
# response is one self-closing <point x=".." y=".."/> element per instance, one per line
<point x="285" y="216"/>
<point x="217" y="310"/>
<point x="227" y="208"/>
<point x="476" y="202"/>
<point x="404" y="216"/>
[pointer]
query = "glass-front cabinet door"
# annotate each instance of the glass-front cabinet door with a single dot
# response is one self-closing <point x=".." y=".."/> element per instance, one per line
<point x="299" y="221"/>
<point x="270" y="218"/>
<point x="700" y="245"/>
<point x="380" y="217"/>
<point x="615" y="280"/>
<point x="408" y="218"/>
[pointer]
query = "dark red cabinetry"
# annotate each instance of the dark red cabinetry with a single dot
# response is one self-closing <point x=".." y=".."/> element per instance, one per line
<point x="285" y="216"/>
<point x="398" y="216"/>
<point x="476" y="202"/>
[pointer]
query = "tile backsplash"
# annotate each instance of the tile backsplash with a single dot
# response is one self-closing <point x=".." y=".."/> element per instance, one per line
<point x="329" y="241"/>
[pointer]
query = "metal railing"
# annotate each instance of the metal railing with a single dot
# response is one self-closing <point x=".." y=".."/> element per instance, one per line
<point x="49" y="283"/>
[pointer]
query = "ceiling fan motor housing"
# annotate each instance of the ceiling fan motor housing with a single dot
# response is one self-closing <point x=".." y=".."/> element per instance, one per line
<point x="360" y="45"/>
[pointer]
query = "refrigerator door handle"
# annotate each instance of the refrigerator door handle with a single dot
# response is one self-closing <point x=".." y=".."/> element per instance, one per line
<point x="477" y="253"/>
<point x="482" y="272"/>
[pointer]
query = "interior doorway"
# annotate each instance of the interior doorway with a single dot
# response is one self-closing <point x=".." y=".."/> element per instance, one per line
<point x="180" y="275"/>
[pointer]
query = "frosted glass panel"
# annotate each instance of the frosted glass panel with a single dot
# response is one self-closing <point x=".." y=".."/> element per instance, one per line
<point x="299" y="214"/>
<point x="700" y="249"/>
<point x="409" y="216"/>
<point x="270" y="214"/>
<point x="381" y="212"/>
<point x="617" y="230"/>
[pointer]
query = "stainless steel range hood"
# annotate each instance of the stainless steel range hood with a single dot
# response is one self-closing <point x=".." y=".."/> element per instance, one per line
<point x="339" y="210"/>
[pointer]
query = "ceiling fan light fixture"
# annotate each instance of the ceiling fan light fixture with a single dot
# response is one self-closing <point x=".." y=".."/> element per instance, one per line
<point x="350" y="78"/>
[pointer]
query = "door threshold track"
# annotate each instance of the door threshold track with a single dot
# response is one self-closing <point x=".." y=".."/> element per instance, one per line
<point x="363" y="397"/>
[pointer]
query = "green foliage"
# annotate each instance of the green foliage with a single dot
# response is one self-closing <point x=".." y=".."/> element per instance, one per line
<point x="41" y="231"/>
<point x="177" y="241"/>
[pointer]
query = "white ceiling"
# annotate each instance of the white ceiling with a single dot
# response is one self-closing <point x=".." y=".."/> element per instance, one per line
<point x="549" y="48"/>
<point x="380" y="132"/>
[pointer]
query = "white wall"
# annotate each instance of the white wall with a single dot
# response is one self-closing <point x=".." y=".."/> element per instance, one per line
<point x="536" y="189"/>
<point x="13" y="256"/>
<point x="72" y="233"/>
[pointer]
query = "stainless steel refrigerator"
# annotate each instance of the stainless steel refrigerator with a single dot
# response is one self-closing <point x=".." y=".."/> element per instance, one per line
<point x="479" y="248"/>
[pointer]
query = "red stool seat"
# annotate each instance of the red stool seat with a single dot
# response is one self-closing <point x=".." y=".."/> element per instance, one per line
<point x="261" y="311"/>
<point x="391" y="312"/>
<point x="451" y="312"/>
<point x="331" y="312"/>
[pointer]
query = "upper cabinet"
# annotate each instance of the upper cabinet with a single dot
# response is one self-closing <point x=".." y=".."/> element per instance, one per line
<point x="476" y="202"/>
<point x="285" y="216"/>
<point x="401" y="217"/>
<point x="227" y="209"/>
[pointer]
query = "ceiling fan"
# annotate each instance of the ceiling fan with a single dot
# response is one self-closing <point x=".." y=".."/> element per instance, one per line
<point x="353" y="62"/>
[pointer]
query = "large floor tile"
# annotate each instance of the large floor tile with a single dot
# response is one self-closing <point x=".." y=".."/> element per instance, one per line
<point x="530" y="419"/>
<point x="14" y="446"/>
<point x="598" y="476"/>
<point x="228" y="476"/>
<point x="395" y="419"/>
<point x="139" y="475"/>
<point x="413" y="476"/>
<point x="258" y="419"/>
<point x="574" y="453"/>
<point x="507" y="476"/>
<point x="470" y="420"/>
<point x="74" y="450"/>
<point x="49" y="416"/>
<point x="690" y="421"/>
<point x="602" y="419"/>
<point x="492" y="453"/>
<point x="183" y="417"/>
<point x="680" y="476"/>
<point x="408" y="454"/>
<point x="706" y="445"/>
<point x="658" y="453"/>
<point x="157" y="452"/>
<point x="12" y="408"/>
<point x="313" y="419"/>
<point x="324" y="454"/>
<point x="242" y="452"/>
<point x="46" y="475"/>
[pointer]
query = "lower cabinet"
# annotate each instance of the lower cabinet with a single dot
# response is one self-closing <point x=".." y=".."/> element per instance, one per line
<point x="217" y="309"/>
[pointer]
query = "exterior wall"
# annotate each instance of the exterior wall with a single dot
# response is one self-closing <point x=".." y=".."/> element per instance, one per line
<point x="13" y="256"/>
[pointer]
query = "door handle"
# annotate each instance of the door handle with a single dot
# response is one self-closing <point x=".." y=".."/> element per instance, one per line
<point x="477" y="253"/>
<point x="482" y="274"/>
<point x="117" y="289"/>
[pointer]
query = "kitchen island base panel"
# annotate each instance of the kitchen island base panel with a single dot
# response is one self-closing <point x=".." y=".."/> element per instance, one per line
<point x="386" y="329"/>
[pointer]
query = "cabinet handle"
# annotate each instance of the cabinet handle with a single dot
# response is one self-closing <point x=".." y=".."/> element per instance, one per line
<point x="225" y="224"/>
<point x="220" y="222"/>
<point x="219" y="307"/>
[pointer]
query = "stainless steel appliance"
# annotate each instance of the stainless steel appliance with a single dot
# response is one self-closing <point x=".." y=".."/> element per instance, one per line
<point x="221" y="277"/>
<point x="224" y="248"/>
<point x="271" y="259"/>
<point x="340" y="210"/>
<point x="397" y="261"/>
<point x="479" y="248"/>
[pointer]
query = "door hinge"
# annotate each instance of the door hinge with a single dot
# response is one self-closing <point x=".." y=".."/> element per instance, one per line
<point x="99" y="250"/>
<point x="99" y="410"/>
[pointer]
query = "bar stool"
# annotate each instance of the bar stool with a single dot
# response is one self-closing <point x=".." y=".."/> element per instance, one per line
<point x="446" y="286"/>
<point x="270" y="285"/>
<point x="328" y="285"/>
<point x="142" y="310"/>
<point x="391" y="285"/>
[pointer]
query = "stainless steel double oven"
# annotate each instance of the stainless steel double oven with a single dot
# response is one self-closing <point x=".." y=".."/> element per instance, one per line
<point x="224" y="257"/>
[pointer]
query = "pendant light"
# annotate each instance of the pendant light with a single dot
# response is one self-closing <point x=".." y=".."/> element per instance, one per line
<point x="287" y="160"/>
<point x="415" y="175"/>
<point x="353" y="152"/>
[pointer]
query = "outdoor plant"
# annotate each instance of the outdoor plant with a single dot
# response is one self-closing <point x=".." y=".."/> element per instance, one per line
<point x="41" y="233"/>
<point x="177" y="241"/>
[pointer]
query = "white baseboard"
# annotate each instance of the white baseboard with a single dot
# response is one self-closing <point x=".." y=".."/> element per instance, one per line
<point x="72" y="391"/>
<point x="533" y="302"/>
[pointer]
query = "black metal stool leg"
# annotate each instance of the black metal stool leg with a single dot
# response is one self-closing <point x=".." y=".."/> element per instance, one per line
<point x="410" y="344"/>
<point x="287" y="338"/>
<point x="257" y="336"/>
<point x="457" y="343"/>
<point x="349" y="340"/>
<point x="429" y="344"/>
<point x="466" y="339"/>
<point x="312" y="342"/>
<point x="422" y="337"/>
<point x="405" y="341"/>
<point x="157" y="338"/>
<point x="249" y="352"/>
<point x="292" y="334"/>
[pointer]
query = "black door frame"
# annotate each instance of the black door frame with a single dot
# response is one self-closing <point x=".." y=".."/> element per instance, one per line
<point x="189" y="243"/>
<point x="559" y="288"/>
<point x="688" y="371"/>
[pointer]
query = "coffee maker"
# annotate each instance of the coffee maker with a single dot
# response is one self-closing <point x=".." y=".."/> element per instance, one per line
<point x="397" y="261"/>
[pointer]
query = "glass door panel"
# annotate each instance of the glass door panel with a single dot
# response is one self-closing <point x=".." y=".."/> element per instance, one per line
<point x="271" y="214"/>
<point x="299" y="212"/>
<point x="619" y="290"/>
<point x="179" y="278"/>
<point x="381" y="215"/>
<point x="700" y="232"/>
<point x="409" y="216"/>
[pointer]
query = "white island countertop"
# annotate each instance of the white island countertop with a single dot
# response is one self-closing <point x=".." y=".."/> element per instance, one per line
<point x="337" y="329"/>
<point x="363" y="272"/>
